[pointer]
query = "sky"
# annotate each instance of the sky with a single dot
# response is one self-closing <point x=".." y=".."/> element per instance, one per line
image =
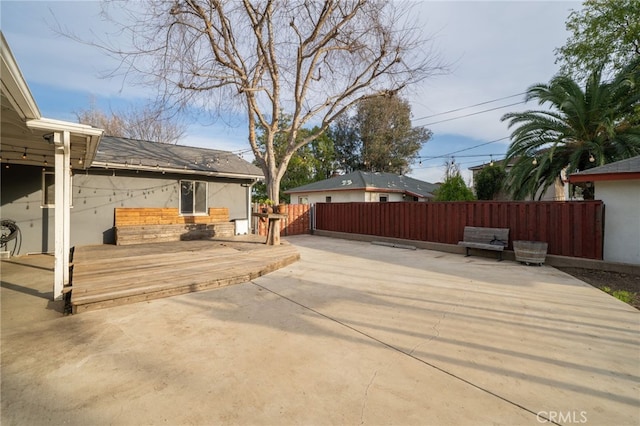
<point x="496" y="50"/>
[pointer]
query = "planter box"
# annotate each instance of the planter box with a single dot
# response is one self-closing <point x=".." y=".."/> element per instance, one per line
<point x="530" y="251"/>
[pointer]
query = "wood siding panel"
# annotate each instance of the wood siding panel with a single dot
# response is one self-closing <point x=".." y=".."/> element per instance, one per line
<point x="166" y="216"/>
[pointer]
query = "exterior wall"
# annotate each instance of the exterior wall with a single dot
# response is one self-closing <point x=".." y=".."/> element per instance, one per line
<point x="346" y="197"/>
<point x="95" y="195"/>
<point x="336" y="197"/>
<point x="621" y="220"/>
<point x="21" y="200"/>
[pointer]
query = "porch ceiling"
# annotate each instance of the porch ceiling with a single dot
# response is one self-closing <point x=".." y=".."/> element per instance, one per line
<point x="18" y="137"/>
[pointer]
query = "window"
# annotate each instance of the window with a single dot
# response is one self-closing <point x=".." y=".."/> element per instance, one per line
<point x="384" y="198"/>
<point x="193" y="197"/>
<point x="48" y="189"/>
<point x="327" y="199"/>
<point x="303" y="200"/>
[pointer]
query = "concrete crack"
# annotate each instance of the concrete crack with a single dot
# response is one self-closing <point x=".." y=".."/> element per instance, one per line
<point x="366" y="396"/>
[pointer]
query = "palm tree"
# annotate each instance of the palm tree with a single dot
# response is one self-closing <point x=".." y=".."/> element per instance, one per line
<point x="581" y="129"/>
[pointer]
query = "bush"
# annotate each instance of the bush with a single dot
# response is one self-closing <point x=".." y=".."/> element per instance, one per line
<point x="489" y="182"/>
<point x="454" y="189"/>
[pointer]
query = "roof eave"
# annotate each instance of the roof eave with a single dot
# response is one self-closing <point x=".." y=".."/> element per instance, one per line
<point x="593" y="177"/>
<point x="15" y="86"/>
<point x="117" y="166"/>
<point x="367" y="189"/>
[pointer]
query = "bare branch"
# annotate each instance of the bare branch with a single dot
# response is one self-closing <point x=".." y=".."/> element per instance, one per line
<point x="313" y="59"/>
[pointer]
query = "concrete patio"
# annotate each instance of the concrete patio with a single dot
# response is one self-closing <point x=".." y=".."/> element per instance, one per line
<point x="353" y="333"/>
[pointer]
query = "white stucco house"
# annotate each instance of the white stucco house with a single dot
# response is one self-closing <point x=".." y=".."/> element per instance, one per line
<point x="362" y="186"/>
<point x="618" y="186"/>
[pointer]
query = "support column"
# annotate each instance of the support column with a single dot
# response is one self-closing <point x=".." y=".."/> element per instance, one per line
<point x="62" y="142"/>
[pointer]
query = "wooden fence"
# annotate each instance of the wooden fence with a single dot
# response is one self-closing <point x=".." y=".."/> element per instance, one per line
<point x="571" y="228"/>
<point x="298" y="220"/>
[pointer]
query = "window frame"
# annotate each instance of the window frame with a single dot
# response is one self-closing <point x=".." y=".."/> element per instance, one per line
<point x="193" y="206"/>
<point x="43" y="187"/>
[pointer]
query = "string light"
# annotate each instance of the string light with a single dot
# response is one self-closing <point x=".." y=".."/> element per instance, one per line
<point x="535" y="161"/>
<point x="45" y="160"/>
<point x="24" y="156"/>
<point x="491" y="162"/>
<point x="591" y="158"/>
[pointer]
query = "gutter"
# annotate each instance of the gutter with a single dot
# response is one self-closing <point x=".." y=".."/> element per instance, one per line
<point x="112" y="166"/>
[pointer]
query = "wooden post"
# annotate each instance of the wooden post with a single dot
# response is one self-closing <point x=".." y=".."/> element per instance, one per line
<point x="62" y="143"/>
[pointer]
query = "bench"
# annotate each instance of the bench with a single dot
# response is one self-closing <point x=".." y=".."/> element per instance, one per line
<point x="151" y="225"/>
<point x="495" y="239"/>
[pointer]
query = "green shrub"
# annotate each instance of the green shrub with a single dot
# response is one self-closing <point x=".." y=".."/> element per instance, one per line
<point x="625" y="296"/>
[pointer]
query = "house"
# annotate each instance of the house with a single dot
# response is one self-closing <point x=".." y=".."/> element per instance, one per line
<point x="618" y="186"/>
<point x="62" y="182"/>
<point x="362" y="186"/>
<point x="30" y="143"/>
<point x="558" y="192"/>
<point x="126" y="173"/>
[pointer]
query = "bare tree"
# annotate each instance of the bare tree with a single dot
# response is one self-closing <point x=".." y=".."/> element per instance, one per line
<point x="312" y="59"/>
<point x="144" y="123"/>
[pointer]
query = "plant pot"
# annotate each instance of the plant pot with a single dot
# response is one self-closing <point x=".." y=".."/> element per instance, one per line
<point x="530" y="251"/>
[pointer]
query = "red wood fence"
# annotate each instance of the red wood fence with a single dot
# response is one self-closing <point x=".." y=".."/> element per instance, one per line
<point x="298" y="221"/>
<point x="571" y="228"/>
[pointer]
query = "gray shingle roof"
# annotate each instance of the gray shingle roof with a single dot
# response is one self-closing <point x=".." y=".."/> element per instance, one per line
<point x="135" y="154"/>
<point x="630" y="165"/>
<point x="370" y="181"/>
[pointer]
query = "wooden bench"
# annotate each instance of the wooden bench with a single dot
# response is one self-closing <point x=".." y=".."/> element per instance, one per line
<point x="496" y="239"/>
<point x="148" y="225"/>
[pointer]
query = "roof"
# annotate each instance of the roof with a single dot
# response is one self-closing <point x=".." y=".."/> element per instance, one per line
<point x="495" y="163"/>
<point x="14" y="86"/>
<point x="25" y="133"/>
<point x="370" y="181"/>
<point x="134" y="154"/>
<point x="619" y="170"/>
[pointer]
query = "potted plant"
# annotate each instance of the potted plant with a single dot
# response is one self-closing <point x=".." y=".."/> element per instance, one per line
<point x="268" y="206"/>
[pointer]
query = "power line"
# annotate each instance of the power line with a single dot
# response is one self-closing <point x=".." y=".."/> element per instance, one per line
<point x="470" y="106"/>
<point x="464" y="149"/>
<point x="470" y="114"/>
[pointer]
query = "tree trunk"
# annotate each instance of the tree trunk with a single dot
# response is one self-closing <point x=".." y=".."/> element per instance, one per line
<point x="272" y="181"/>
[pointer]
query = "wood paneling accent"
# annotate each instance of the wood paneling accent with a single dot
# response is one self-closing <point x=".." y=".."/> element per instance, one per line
<point x="125" y="216"/>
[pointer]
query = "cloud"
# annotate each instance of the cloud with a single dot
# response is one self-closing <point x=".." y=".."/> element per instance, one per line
<point x="497" y="49"/>
<point x="46" y="57"/>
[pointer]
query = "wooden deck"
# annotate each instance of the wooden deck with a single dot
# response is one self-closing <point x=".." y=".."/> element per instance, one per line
<point x="110" y="275"/>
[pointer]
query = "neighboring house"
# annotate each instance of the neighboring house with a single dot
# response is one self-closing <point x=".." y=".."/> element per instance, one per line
<point x="62" y="181"/>
<point x="618" y="186"/>
<point x="362" y="186"/>
<point x="558" y="192"/>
